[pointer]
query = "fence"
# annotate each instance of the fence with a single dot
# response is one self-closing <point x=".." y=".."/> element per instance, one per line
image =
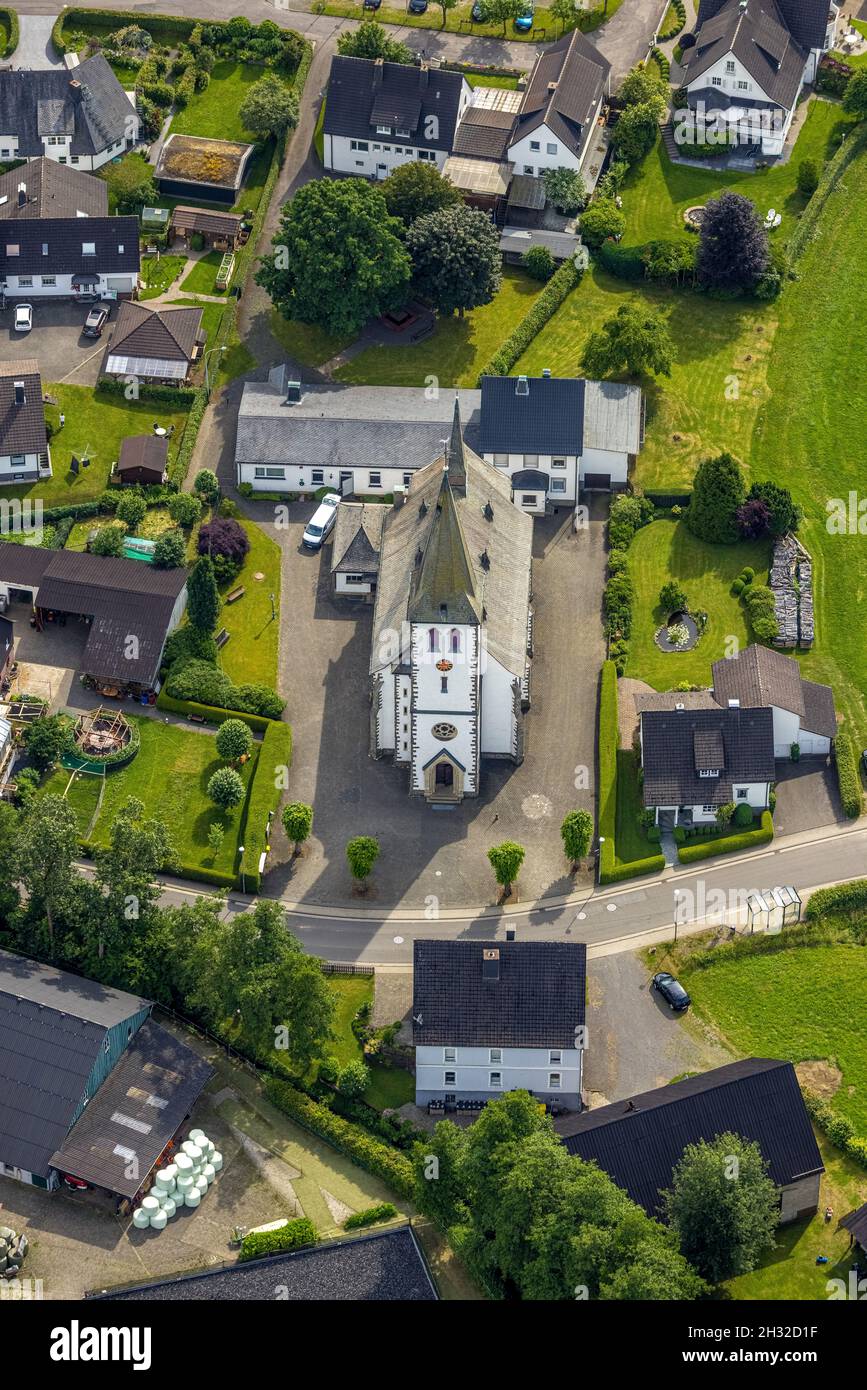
<point x="337" y="967"/>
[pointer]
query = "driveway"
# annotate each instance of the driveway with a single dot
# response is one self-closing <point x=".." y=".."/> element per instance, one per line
<point x="635" y="1043"/>
<point x="324" y="657"/>
<point x="807" y="796"/>
<point x="55" y="341"/>
<point x="35" y="49"/>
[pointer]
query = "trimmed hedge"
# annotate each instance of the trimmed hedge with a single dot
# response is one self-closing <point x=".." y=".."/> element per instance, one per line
<point x="654" y="864"/>
<point x="165" y="25"/>
<point x="365" y="1151"/>
<point x="275" y="753"/>
<point x="844" y="897"/>
<point x="10" y="19"/>
<point x="566" y="279"/>
<point x="808" y="222"/>
<point x="838" y="1128"/>
<point x="383" y="1212"/>
<point x="729" y="844"/>
<point x="295" y="1235"/>
<point x="210" y="713"/>
<point x="848" y="776"/>
<point x="167" y="395"/>
<point x="676" y="24"/>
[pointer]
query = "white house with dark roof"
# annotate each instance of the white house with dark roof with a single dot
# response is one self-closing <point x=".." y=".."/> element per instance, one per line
<point x="560" y="107"/>
<point x="803" y="711"/>
<point x="355" y="552"/>
<point x="24" y="453"/>
<point x="495" y="1016"/>
<point x="750" y="62"/>
<point x="80" y="116"/>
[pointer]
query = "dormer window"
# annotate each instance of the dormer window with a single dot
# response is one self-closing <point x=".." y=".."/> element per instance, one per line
<point x="383" y="130"/>
<point x="402" y="134"/>
<point x="709" y="772"/>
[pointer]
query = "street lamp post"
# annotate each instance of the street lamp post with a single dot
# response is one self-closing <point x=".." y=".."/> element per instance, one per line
<point x="599" y="865"/>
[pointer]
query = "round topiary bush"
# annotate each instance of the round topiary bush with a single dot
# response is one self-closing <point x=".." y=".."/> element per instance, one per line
<point x="225" y="788"/>
<point x="743" y="814"/>
<point x="738" y="588"/>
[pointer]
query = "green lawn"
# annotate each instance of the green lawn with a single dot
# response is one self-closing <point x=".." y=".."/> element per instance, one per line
<point x="390" y="1087"/>
<point x="630" y="841"/>
<point x="306" y="342"/>
<point x="657" y="192"/>
<point x="170" y="774"/>
<point x="158" y="273"/>
<point x="478" y="79"/>
<point x="200" y="279"/>
<point x="718" y="381"/>
<point x="224" y="366"/>
<point x="668" y="550"/>
<point x="457" y="349"/>
<point x="96" y="424"/>
<point x="80" y="790"/>
<point x="214" y="112"/>
<point x="250" y="655"/>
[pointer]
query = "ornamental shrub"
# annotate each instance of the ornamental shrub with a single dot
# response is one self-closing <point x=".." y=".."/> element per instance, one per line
<point x="295" y="1235"/>
<point x="743" y="816"/>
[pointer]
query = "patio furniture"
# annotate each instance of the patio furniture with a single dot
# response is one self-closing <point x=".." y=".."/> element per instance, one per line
<point x="236" y="594"/>
<point x="772" y="212"/>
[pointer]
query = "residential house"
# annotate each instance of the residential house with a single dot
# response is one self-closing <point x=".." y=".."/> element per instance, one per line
<point x="552" y="439"/>
<point x="750" y="62"/>
<point x="380" y="1266"/>
<point x="143" y="459"/>
<point x="24" y="453"/>
<point x="449" y="664"/>
<point x="379" y="115"/>
<point x="88" y="1082"/>
<point x="696" y="760"/>
<point x="126" y="608"/>
<point x="560" y="107"/>
<point x="158" y="345"/>
<point x="355" y="552"/>
<point x="80" y="116"/>
<point x="495" y="1016"/>
<point x="640" y="1141"/>
<point x="803" y="711"/>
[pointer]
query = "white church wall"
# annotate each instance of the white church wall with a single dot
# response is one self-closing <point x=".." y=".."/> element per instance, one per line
<point x="497" y="709"/>
<point x="444" y="697"/>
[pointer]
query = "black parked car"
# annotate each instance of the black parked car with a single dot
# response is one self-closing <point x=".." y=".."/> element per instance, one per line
<point x="417" y="6"/>
<point x="371" y="4"/>
<point x="477" y="13"/>
<point x="673" y="993"/>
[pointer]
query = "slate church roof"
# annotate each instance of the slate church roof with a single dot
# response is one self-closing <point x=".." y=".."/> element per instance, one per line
<point x="357" y="537"/>
<point x="531" y="995"/>
<point x="640" y="1141"/>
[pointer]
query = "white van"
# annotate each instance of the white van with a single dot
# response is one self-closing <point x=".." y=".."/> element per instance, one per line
<point x="321" y="523"/>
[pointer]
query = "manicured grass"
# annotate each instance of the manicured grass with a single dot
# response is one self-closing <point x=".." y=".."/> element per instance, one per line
<point x="668" y="550"/>
<point x="804" y="1004"/>
<point x="306" y="342"/>
<point x="126" y="76"/>
<point x="657" y="192"/>
<point x="390" y="1087"/>
<point x="214" y="112"/>
<point x="224" y="366"/>
<point x="791" y="1271"/>
<point x="718" y="381"/>
<point x="630" y="841"/>
<point x="250" y="655"/>
<point x="158" y="273"/>
<point x="457" y="349"/>
<point x="200" y="279"/>
<point x="170" y="774"/>
<point x="545" y="27"/>
<point x="96" y="424"/>
<point x="82" y="793"/>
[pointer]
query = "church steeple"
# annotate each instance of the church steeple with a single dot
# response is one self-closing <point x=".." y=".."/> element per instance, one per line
<point x="446" y="588"/>
<point x="455" y="458"/>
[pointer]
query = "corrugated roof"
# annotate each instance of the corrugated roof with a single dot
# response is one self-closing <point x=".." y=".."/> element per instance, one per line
<point x="640" y="1141"/>
<point x="185" y="219"/>
<point x="536" y="1000"/>
<point x="612" y="416"/>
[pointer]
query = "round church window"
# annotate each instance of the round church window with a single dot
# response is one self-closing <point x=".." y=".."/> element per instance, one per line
<point x="444" y="731"/>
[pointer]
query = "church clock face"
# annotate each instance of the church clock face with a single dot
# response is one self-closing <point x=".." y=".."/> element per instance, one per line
<point x="444" y="732"/>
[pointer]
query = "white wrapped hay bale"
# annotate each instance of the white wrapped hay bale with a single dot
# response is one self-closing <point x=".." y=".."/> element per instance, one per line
<point x="140" y="1219"/>
<point x="158" y="1221"/>
<point x="170" y="1206"/>
<point x="209" y="1173"/>
<point x="192" y="1198"/>
<point x="216" y="1160"/>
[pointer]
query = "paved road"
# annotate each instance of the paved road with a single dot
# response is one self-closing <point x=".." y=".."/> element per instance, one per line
<point x="609" y="921"/>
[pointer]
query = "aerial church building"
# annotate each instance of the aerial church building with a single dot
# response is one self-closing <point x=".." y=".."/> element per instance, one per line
<point x="450" y="665"/>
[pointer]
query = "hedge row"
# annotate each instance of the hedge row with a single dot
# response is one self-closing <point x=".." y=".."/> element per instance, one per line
<point x="609" y="871"/>
<point x="167" y="26"/>
<point x="729" y="844"/>
<point x="274" y="754"/>
<point x="635" y="868"/>
<point x="562" y="282"/>
<point x="676" y="24"/>
<point x="295" y="1235"/>
<point x="211" y="713"/>
<point x="9" y="19"/>
<point x="369" y="1153"/>
<point x="844" y="897"/>
<point x="848" y="776"/>
<point x="369" y="1217"/>
<point x="807" y="223"/>
<point x="838" y="1128"/>
<point x="167" y="395"/>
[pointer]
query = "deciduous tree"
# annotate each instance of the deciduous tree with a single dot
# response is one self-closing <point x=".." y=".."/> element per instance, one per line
<point x="636" y="340"/>
<point x="371" y="40"/>
<point x="362" y="853"/>
<point x="225" y="788"/>
<point x="455" y="258"/>
<point x="506" y="860"/>
<point x="733" y="249"/>
<point x="414" y="189"/>
<point x="297" y="822"/>
<point x="576" y="833"/>
<point x="234" y="739"/>
<point x="270" y="107"/>
<point x="723" y="1206"/>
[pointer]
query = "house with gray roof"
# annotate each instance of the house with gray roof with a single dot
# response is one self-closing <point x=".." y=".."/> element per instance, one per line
<point x="80" y="116"/>
<point x="748" y="66"/>
<point x="696" y="760"/>
<point x="355" y="552"/>
<point x="551" y="438"/>
<point x="496" y="1016"/>
<point x="24" y="452"/>
<point x="803" y="711"/>
<point x="450" y="665"/>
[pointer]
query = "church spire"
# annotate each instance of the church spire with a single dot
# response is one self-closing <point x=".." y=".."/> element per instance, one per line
<point x="446" y="588"/>
<point x="455" y="457"/>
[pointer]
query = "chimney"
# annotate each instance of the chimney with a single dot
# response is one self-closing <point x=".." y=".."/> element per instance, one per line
<point x="552" y="86"/>
<point x="491" y="964"/>
<point x="293" y="392"/>
<point x="378" y="69"/>
<point x="423" y="77"/>
<point x="546" y="373"/>
<point x="20" y="395"/>
<point x="510" y="933"/>
<point x="75" y="89"/>
<point x="680" y="705"/>
<point x="22" y="194"/>
<point x="399" y="496"/>
<point x="734" y="704"/>
<point x="522" y="386"/>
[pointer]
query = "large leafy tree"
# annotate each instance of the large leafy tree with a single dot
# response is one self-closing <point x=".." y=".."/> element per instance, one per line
<point x="636" y="131"/>
<point x="9" y="824"/>
<point x="717" y="493"/>
<point x="635" y="340"/>
<point x="139" y="848"/>
<point x="733" y="245"/>
<point x="723" y="1206"/>
<point x="371" y="40"/>
<point x="456" y="258"/>
<point x="416" y="188"/>
<point x="253" y="970"/>
<point x="203" y="596"/>
<point x="45" y="848"/>
<point x="642" y="85"/>
<point x="536" y="1223"/>
<point x="48" y="739"/>
<point x="338" y="259"/>
<point x="601" y="220"/>
<point x="269" y="108"/>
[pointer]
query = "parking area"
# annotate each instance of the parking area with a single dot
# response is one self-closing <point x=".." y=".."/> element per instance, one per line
<point x="56" y="342"/>
<point x="325" y="647"/>
<point x="808" y="796"/>
<point x="48" y="662"/>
